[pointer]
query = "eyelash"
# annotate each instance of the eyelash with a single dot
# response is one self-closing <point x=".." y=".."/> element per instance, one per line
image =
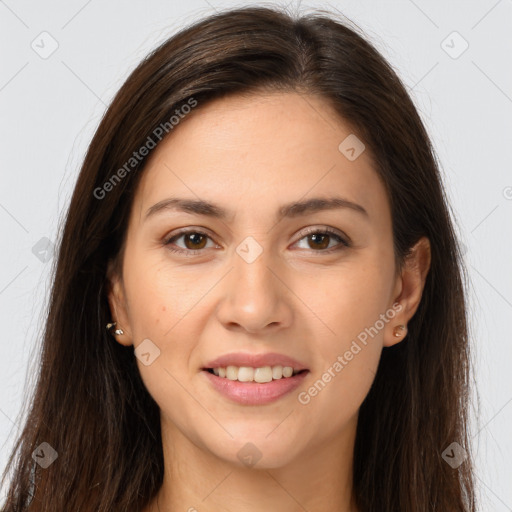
<point x="343" y="243"/>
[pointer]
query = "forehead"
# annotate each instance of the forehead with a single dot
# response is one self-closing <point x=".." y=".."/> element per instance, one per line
<point x="257" y="152"/>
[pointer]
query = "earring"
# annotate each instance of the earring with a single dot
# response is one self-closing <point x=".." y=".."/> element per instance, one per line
<point x="399" y="333"/>
<point x="117" y="331"/>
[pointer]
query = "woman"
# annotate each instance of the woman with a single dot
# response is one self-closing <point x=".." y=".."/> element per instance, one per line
<point x="258" y="301"/>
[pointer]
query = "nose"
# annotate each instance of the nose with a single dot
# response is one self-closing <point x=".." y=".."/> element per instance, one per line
<point x="255" y="297"/>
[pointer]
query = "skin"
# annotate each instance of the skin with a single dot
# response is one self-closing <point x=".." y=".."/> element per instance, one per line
<point x="251" y="154"/>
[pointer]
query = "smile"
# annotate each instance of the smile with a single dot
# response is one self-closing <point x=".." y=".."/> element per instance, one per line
<point x="250" y="392"/>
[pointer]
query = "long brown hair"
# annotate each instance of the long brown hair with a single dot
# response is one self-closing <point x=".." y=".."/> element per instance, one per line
<point x="89" y="403"/>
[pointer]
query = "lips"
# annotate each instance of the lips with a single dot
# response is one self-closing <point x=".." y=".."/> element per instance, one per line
<point x="254" y="361"/>
<point x="254" y="393"/>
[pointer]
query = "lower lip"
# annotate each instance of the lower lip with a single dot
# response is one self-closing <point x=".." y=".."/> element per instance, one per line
<point x="255" y="393"/>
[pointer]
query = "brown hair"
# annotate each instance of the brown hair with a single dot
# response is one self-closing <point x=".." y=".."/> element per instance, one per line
<point x="89" y="402"/>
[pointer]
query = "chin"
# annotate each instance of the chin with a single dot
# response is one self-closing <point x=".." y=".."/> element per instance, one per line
<point x="258" y="451"/>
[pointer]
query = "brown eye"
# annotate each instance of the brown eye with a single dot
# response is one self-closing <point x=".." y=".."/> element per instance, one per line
<point x="320" y="241"/>
<point x="194" y="240"/>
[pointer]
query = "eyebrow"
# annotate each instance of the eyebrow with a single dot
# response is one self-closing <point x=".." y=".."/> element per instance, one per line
<point x="289" y="210"/>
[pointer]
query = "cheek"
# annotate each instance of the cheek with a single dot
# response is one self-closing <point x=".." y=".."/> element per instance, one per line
<point x="349" y="299"/>
<point x="351" y="305"/>
<point x="167" y="306"/>
<point x="159" y="296"/>
<point x="161" y="308"/>
<point x="347" y="353"/>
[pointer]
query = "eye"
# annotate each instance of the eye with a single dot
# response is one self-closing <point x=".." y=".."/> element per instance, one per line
<point x="320" y="238"/>
<point x="194" y="241"/>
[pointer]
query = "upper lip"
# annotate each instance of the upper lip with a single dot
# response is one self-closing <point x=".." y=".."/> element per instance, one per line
<point x="254" y="361"/>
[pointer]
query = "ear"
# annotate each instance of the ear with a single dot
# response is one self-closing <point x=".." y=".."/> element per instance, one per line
<point x="408" y="290"/>
<point x="118" y="307"/>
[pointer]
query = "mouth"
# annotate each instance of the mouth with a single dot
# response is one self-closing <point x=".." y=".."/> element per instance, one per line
<point x="254" y="386"/>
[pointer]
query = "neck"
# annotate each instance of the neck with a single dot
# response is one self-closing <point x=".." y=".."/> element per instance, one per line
<point x="197" y="480"/>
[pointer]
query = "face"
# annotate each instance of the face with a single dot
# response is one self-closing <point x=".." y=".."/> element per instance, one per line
<point x="257" y="283"/>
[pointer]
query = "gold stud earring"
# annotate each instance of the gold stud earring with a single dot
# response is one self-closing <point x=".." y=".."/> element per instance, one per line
<point x="117" y="331"/>
<point x="400" y="331"/>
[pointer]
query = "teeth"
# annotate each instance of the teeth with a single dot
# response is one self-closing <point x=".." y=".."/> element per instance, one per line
<point x="261" y="375"/>
<point x="277" y="372"/>
<point x="232" y="373"/>
<point x="287" y="371"/>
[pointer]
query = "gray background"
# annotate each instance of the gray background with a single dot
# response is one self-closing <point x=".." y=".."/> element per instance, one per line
<point x="51" y="106"/>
